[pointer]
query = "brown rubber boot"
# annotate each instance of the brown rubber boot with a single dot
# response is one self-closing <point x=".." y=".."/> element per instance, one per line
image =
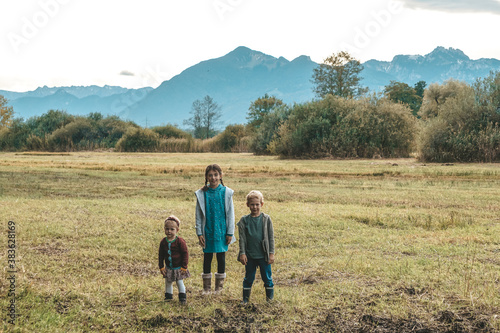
<point x="207" y="283"/>
<point x="219" y="281"/>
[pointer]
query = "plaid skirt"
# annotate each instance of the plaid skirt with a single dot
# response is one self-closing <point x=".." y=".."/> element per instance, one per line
<point x="176" y="274"/>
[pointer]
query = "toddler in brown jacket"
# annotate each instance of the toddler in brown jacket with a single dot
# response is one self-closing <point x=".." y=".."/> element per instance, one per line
<point x="173" y="259"/>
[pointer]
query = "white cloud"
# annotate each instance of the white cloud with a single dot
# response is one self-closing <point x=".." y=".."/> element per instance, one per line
<point x="127" y="73"/>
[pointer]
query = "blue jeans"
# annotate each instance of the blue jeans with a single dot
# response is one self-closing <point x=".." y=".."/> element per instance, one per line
<point x="265" y="273"/>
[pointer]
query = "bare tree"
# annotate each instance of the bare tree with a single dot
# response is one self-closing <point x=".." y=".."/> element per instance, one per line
<point x="205" y="117"/>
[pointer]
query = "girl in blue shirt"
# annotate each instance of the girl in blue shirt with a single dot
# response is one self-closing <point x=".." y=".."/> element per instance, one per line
<point x="214" y="225"/>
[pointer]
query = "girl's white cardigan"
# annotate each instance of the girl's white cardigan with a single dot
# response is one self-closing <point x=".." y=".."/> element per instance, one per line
<point x="201" y="218"/>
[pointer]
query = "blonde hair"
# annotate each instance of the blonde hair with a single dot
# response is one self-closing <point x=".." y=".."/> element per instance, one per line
<point x="255" y="194"/>
<point x="172" y="218"/>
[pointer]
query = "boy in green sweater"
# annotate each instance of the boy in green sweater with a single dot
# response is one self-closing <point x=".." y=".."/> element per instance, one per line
<point x="256" y="236"/>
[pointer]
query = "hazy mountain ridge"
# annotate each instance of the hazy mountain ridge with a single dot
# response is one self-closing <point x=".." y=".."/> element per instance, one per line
<point x="438" y="66"/>
<point x="235" y="80"/>
<point x="77" y="100"/>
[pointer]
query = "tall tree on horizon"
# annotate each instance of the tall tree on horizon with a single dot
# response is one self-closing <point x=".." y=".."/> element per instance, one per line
<point x="338" y="75"/>
<point x="260" y="108"/>
<point x="205" y="117"/>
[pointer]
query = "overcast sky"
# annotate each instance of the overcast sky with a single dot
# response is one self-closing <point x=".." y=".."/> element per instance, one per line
<point x="132" y="43"/>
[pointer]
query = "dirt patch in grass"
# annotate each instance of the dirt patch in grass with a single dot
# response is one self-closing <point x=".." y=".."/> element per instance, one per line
<point x="235" y="318"/>
<point x="255" y="318"/>
<point x="361" y="315"/>
<point x="55" y="249"/>
<point x="446" y="321"/>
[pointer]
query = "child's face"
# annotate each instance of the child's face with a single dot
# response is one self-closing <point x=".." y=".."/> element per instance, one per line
<point x="171" y="230"/>
<point x="255" y="206"/>
<point x="213" y="178"/>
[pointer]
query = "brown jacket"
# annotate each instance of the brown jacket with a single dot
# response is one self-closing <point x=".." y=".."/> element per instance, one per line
<point x="179" y="254"/>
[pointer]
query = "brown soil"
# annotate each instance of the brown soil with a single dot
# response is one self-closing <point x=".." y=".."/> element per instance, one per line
<point x="253" y="318"/>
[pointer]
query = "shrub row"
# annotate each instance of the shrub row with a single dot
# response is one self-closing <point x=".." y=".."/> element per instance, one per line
<point x="338" y="127"/>
<point x="232" y="139"/>
<point x="458" y="122"/>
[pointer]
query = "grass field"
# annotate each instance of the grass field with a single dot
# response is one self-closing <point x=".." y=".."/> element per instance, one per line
<point x="361" y="245"/>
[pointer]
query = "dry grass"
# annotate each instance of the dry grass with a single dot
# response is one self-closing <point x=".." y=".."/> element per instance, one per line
<point x="362" y="245"/>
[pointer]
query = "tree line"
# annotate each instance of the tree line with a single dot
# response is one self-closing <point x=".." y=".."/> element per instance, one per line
<point x="453" y="121"/>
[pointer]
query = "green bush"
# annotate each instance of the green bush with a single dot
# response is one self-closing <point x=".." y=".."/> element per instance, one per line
<point x="440" y="142"/>
<point x="170" y="131"/>
<point x="110" y="129"/>
<point x="438" y="94"/>
<point x="384" y="128"/>
<point x="139" y="140"/>
<point x="338" y="127"/>
<point x="44" y="125"/>
<point x="88" y="133"/>
<point x="267" y="130"/>
<point x="36" y="143"/>
<point x="14" y="137"/>
<point x="230" y="139"/>
<point x="72" y="136"/>
<point x="173" y="145"/>
<point x="4" y="138"/>
<point x="58" y="131"/>
<point x="464" y="126"/>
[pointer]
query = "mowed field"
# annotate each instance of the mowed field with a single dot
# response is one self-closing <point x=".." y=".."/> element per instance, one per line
<point x="361" y="245"/>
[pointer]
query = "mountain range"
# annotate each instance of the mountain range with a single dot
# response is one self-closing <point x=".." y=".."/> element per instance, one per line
<point x="234" y="81"/>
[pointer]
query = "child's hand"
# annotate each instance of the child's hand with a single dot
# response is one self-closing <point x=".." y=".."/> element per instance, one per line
<point x="243" y="259"/>
<point x="201" y="240"/>
<point x="228" y="239"/>
<point x="163" y="271"/>
<point x="271" y="258"/>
